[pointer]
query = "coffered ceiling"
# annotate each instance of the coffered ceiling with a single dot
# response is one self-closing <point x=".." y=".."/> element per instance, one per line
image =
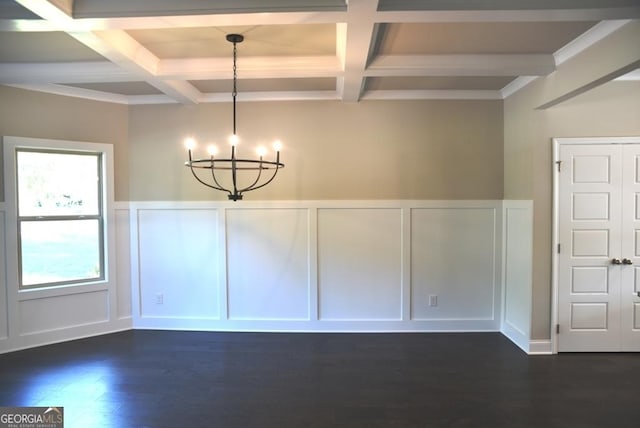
<point x="162" y="51"/>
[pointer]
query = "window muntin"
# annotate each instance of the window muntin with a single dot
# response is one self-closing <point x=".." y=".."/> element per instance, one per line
<point x="60" y="217"/>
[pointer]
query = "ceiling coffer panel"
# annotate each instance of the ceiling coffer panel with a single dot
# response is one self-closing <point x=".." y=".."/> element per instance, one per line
<point x="120" y="88"/>
<point x="494" y="83"/>
<point x="267" y="40"/>
<point x="265" y="85"/>
<point x="478" y="37"/>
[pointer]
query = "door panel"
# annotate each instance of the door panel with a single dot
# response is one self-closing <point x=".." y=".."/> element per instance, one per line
<point x="589" y="233"/>
<point x="630" y="273"/>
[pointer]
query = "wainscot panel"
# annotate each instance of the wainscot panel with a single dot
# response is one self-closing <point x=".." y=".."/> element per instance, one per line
<point x="178" y="262"/>
<point x="39" y="315"/>
<point x="360" y="263"/>
<point x="453" y="264"/>
<point x="516" y="268"/>
<point x="4" y="317"/>
<point x="268" y="263"/>
<point x="317" y="265"/>
<point x="123" y="263"/>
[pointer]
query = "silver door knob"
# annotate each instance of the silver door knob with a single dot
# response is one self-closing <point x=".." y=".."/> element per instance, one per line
<point x="616" y="262"/>
<point x="627" y="262"/>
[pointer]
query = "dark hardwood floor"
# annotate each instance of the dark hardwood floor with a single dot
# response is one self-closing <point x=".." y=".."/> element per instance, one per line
<point x="200" y="379"/>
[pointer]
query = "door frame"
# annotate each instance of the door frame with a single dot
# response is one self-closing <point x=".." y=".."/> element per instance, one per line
<point x="555" y="287"/>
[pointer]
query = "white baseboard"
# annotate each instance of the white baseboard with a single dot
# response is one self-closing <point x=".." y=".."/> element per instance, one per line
<point x="531" y="347"/>
<point x="540" y="347"/>
<point x="516" y="336"/>
<point x="18" y="343"/>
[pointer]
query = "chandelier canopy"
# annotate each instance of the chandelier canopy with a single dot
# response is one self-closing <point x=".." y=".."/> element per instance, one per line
<point x="238" y="170"/>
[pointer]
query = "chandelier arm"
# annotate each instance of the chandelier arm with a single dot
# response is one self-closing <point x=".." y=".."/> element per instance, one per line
<point x="190" y="163"/>
<point x="252" y="185"/>
<point x="275" y="171"/>
<point x="207" y="184"/>
<point x="234" y="171"/>
<point x="213" y="176"/>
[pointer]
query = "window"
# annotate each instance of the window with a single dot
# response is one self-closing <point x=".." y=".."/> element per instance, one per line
<point x="60" y="216"/>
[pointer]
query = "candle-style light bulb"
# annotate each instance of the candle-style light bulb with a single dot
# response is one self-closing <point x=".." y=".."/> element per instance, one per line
<point x="277" y="145"/>
<point x="261" y="150"/>
<point x="190" y="143"/>
<point x="234" y="140"/>
<point x="212" y="150"/>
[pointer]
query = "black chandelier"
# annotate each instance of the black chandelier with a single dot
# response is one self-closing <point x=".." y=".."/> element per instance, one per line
<point x="236" y="166"/>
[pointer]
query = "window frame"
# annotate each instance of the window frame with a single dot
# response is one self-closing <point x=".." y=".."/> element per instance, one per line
<point x="47" y="218"/>
<point x="107" y="227"/>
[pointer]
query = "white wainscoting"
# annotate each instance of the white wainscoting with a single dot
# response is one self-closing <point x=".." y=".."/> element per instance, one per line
<point x="516" y="272"/>
<point x="317" y="265"/>
<point x="297" y="266"/>
<point x="50" y="313"/>
<point x="39" y="317"/>
<point x="4" y="313"/>
<point x="123" y="262"/>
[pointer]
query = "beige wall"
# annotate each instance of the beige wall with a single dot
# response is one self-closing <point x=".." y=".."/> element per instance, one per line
<point x="332" y="150"/>
<point x="612" y="109"/>
<point x="38" y="115"/>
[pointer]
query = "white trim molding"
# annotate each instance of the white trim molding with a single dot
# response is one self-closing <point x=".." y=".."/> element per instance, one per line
<point x="540" y="347"/>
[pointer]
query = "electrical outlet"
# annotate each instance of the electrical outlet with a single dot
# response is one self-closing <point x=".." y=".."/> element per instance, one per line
<point x="159" y="299"/>
<point x="433" y="300"/>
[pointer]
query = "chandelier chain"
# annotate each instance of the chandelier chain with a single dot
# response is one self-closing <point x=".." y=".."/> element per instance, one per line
<point x="234" y="93"/>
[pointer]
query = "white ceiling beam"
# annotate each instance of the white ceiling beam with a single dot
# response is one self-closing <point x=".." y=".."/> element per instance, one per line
<point x="543" y="15"/>
<point x="56" y="12"/>
<point x="461" y="65"/>
<point x="26" y="25"/>
<point x="432" y="94"/>
<point x="90" y="8"/>
<point x="272" y="96"/>
<point x="250" y="68"/>
<point x="118" y="47"/>
<point x="621" y="52"/>
<point x="179" y="21"/>
<point x="633" y="76"/>
<point x="584" y="41"/>
<point x="354" y="46"/>
<point x="76" y="72"/>
<point x="516" y="84"/>
<point x="70" y="91"/>
<point x="587" y="39"/>
<point x="220" y="20"/>
<point x="123" y="50"/>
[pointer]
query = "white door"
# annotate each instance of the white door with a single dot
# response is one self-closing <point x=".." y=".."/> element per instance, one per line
<point x="630" y="270"/>
<point x="599" y="237"/>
